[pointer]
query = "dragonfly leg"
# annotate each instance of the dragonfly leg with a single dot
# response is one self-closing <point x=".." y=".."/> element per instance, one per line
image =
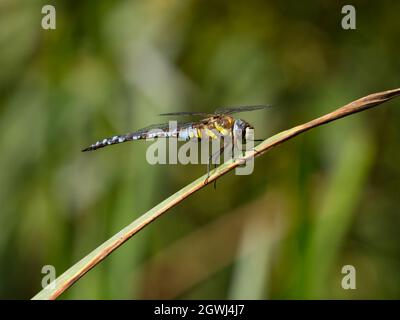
<point x="241" y="152"/>
<point x="210" y="160"/>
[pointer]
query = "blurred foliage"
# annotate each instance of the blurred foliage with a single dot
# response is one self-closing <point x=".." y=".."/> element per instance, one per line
<point x="328" y="198"/>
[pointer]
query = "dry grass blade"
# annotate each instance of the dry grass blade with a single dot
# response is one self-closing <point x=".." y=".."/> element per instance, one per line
<point x="73" y="274"/>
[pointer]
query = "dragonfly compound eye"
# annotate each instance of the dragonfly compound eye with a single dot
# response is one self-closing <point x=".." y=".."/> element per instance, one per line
<point x="240" y="129"/>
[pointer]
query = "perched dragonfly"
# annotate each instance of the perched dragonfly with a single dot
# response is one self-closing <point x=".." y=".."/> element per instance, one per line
<point x="212" y="126"/>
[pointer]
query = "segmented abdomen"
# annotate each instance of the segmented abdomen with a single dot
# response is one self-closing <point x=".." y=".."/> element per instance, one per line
<point x="183" y="132"/>
<point x="108" y="141"/>
<point x="156" y="133"/>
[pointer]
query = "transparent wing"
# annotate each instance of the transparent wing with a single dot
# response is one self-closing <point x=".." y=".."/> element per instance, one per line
<point x="219" y="111"/>
<point x="185" y="113"/>
<point x="231" y="110"/>
<point x="161" y="126"/>
<point x="165" y="126"/>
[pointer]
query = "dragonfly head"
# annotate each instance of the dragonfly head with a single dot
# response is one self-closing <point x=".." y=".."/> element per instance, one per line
<point x="242" y="130"/>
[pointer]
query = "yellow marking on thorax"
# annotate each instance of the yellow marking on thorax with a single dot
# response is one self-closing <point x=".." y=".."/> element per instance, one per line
<point x="224" y="125"/>
<point x="221" y="129"/>
<point x="199" y="133"/>
<point x="210" y="133"/>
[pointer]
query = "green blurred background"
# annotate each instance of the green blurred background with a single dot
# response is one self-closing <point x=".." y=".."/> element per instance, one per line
<point x="325" y="199"/>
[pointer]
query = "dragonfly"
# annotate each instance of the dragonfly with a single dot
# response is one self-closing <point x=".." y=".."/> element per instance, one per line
<point x="217" y="125"/>
<point x="214" y="125"/>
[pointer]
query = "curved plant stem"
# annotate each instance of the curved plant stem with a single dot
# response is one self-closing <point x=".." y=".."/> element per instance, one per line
<point x="73" y="274"/>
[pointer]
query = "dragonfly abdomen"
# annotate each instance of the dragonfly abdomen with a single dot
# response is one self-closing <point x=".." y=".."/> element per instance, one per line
<point x="185" y="133"/>
<point x="109" y="141"/>
<point x="130" y="137"/>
